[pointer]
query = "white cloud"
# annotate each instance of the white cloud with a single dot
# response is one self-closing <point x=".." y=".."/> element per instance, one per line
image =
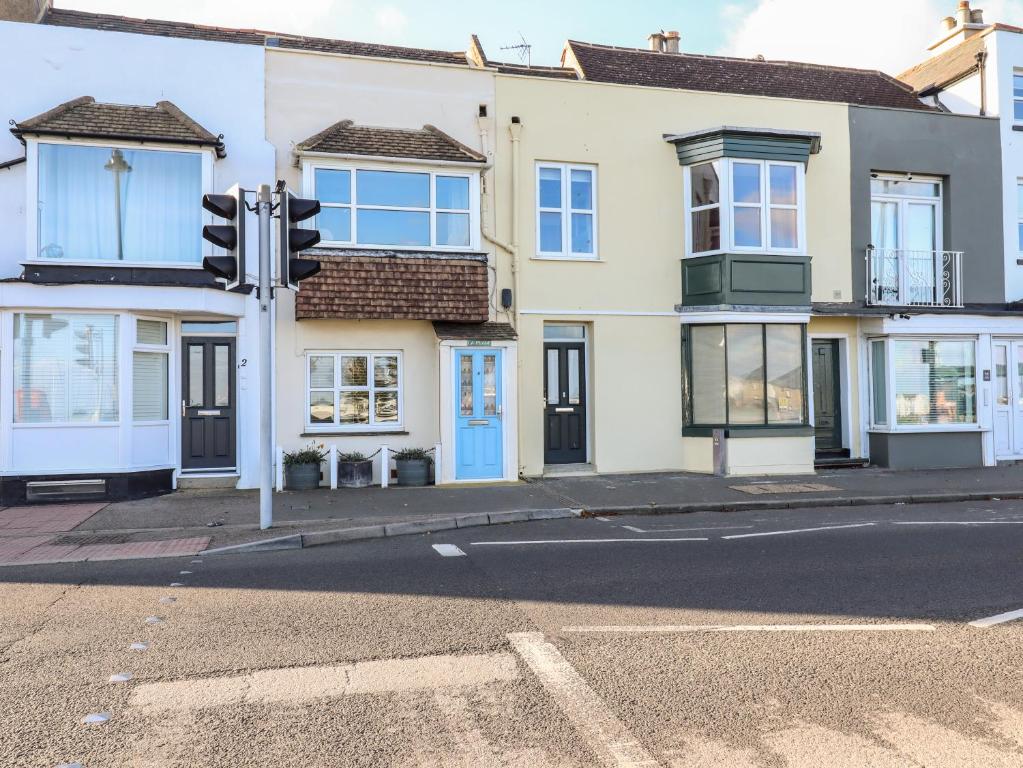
<point x="889" y="35"/>
<point x="391" y="21"/>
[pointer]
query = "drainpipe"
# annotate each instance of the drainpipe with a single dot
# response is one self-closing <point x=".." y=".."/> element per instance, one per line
<point x="515" y="128"/>
<point x="981" y="58"/>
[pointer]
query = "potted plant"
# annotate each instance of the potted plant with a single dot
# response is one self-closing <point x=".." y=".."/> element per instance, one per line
<point x="302" y="468"/>
<point x="413" y="466"/>
<point x="354" y="470"/>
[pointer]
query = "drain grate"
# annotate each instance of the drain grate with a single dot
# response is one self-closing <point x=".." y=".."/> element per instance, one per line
<point x="109" y="538"/>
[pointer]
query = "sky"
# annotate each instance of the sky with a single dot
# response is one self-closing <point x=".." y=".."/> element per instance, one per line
<point x="890" y="35"/>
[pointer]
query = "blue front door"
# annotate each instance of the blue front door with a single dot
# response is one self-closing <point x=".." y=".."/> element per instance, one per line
<point x="479" y="415"/>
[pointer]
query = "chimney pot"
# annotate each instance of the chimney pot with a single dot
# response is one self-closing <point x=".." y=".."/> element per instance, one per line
<point x="657" y="40"/>
<point x="977" y="16"/>
<point x="948" y="23"/>
<point x="671" y="41"/>
<point x="963" y="12"/>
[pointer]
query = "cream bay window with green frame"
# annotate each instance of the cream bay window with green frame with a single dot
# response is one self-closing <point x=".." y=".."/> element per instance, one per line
<point x="354" y="391"/>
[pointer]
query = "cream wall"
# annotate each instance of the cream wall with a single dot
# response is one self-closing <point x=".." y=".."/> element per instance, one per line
<point x="847" y="329"/>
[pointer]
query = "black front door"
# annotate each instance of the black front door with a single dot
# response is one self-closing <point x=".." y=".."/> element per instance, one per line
<point x="564" y="403"/>
<point x="827" y="396"/>
<point x="208" y="403"/>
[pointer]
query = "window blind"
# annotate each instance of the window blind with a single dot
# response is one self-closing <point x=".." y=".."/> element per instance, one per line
<point x="935" y="381"/>
<point x="149" y="385"/>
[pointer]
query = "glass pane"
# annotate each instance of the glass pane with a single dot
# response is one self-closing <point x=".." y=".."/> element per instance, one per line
<point x="907" y="188"/>
<point x="704" y="185"/>
<point x="102" y="204"/>
<point x="884" y="225"/>
<point x="335" y="224"/>
<point x="1017" y="110"/>
<point x="354" y="407"/>
<point x="706" y="230"/>
<point x="321" y="371"/>
<point x="380" y="227"/>
<point x="385" y="371"/>
<point x="573" y="377"/>
<point x="582" y="233"/>
<point x="747" y="227"/>
<point x="745" y="183"/>
<point x="151" y="332"/>
<point x="1019" y="375"/>
<point x="582" y="189"/>
<point x="354" y="371"/>
<point x="221" y="376"/>
<point x="553" y="378"/>
<point x="149" y="386"/>
<point x="920" y="232"/>
<point x="215" y="326"/>
<point x="385" y="407"/>
<point x="333" y="186"/>
<point x="550" y="232"/>
<point x="784" y="374"/>
<point x="564" y="332"/>
<point x="489" y="385"/>
<point x="195" y="376"/>
<point x="392" y="188"/>
<point x="879" y="382"/>
<point x="1019" y="200"/>
<point x="321" y="407"/>
<point x="1001" y="374"/>
<point x="707" y="374"/>
<point x="783" y="228"/>
<point x="1019" y="236"/>
<point x="452" y="192"/>
<point x="1017" y="85"/>
<point x="550" y="188"/>
<point x="935" y="381"/>
<point x="453" y="229"/>
<point x="745" y="374"/>
<point x="783" y="184"/>
<point x="465" y="385"/>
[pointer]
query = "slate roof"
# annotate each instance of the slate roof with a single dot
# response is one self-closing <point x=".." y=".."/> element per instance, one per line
<point x="85" y="117"/>
<point x="755" y="77"/>
<point x="475" y="331"/>
<point x="945" y="68"/>
<point x="426" y="143"/>
<point x="389" y="285"/>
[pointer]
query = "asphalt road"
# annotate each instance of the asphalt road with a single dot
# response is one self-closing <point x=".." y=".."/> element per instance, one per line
<point x="836" y="637"/>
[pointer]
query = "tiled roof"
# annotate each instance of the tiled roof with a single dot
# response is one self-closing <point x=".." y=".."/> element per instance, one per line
<point x="778" y="79"/>
<point x="387" y="285"/>
<point x="84" y="117"/>
<point x="426" y="143"/>
<point x="947" y="67"/>
<point x="475" y="331"/>
<point x="102" y="21"/>
<point x="560" y="73"/>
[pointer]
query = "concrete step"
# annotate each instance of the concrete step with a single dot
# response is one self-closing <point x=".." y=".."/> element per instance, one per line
<point x="207" y="482"/>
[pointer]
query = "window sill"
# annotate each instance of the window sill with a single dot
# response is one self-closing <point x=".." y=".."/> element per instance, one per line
<point x="760" y="430"/>
<point x="114" y="263"/>
<point x="330" y="245"/>
<point x="353" y="433"/>
<point x="928" y="428"/>
<point x="590" y="259"/>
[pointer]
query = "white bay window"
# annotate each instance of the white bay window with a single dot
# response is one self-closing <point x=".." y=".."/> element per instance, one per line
<point x="150" y="366"/>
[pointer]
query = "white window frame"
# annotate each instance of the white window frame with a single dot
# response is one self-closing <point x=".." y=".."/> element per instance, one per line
<point x="32" y="201"/>
<point x="309" y="168"/>
<point x="903" y="201"/>
<point x="566" y="210"/>
<point x="1019" y="213"/>
<point x="1015" y="99"/>
<point x="727" y="207"/>
<point x="372" y="426"/>
<point x="165" y="349"/>
<point x="891" y="394"/>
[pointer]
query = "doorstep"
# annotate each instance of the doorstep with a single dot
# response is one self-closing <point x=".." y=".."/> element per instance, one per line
<point x="568" y="470"/>
<point x="205" y="481"/>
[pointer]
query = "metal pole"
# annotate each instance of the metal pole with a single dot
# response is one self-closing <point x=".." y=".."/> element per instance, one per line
<point x="266" y="452"/>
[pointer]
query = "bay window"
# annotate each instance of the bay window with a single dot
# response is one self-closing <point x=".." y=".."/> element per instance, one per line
<point x="744" y="205"/>
<point x="353" y="391"/>
<point x="392" y="208"/>
<point x="744" y="374"/>
<point x="566" y="211"/>
<point x="119" y="204"/>
<point x="150" y="366"/>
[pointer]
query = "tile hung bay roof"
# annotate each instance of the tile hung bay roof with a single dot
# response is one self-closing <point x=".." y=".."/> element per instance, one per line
<point x="426" y="143"/>
<point x="84" y="117"/>
<point x="754" y="77"/>
<point x="474" y="331"/>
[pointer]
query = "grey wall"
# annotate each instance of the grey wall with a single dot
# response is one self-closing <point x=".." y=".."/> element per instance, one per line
<point x="966" y="152"/>
<point x="926" y="450"/>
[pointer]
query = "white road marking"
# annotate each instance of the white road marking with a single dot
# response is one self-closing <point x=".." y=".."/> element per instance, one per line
<point x="120" y="677"/>
<point x="448" y="550"/>
<point x="96" y="718"/>
<point x="796" y="530"/>
<point x="605" y="734"/>
<point x="138" y="647"/>
<point x="633" y="528"/>
<point x="678" y="628"/>
<point x="570" y="541"/>
<point x="959" y="522"/>
<point x="154" y="620"/>
<point x="603" y="519"/>
<point x="1001" y="618"/>
<point x="184" y="573"/>
<point x="681" y="530"/>
<point x="176" y="584"/>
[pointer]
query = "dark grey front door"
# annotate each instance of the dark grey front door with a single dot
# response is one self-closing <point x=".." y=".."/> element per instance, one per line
<point x="827" y="396"/>
<point x="564" y="403"/>
<point x="208" y="403"/>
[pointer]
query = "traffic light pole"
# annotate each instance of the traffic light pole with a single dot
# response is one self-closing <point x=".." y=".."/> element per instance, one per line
<point x="264" y="202"/>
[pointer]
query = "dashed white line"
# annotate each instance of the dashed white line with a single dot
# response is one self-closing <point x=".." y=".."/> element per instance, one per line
<point x="448" y="550"/>
<point x="680" y="628"/>
<point x="958" y="522"/>
<point x="605" y="734"/>
<point x="797" y="530"/>
<point x="572" y="541"/>
<point x="1001" y="618"/>
<point x="681" y="530"/>
<point x="603" y="519"/>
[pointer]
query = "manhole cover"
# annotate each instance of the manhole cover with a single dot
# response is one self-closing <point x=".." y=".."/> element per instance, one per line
<point x="109" y="538"/>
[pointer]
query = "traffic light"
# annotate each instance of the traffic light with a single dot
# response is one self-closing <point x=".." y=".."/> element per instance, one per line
<point x="294" y="239"/>
<point x="231" y="237"/>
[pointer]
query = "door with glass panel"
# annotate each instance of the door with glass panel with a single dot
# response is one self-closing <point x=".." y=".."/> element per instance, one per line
<point x="207" y="403"/>
<point x="905" y="264"/>
<point x="564" y="401"/>
<point x="1007" y="362"/>
<point x="479" y="415"/>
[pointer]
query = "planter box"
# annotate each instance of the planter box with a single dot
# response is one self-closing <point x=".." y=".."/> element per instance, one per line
<point x="355" y="474"/>
<point x="302" y="477"/>
<point x="413" y="472"/>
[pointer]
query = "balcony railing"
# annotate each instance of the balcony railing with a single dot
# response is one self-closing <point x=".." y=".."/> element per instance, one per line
<point x="904" y="278"/>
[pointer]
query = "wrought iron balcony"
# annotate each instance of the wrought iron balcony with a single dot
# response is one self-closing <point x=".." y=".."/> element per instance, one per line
<point x="905" y="278"/>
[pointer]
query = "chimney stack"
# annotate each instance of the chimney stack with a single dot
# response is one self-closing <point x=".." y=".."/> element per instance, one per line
<point x="657" y="40"/>
<point x="671" y="40"/>
<point x="28" y="11"/>
<point x="966" y="23"/>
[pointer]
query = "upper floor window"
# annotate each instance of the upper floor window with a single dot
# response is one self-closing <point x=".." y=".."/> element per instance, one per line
<point x="1019" y="215"/>
<point x="1017" y="97"/>
<point x="392" y="208"/>
<point x="119" y="204"/>
<point x="566" y="211"/>
<point x="745" y="205"/>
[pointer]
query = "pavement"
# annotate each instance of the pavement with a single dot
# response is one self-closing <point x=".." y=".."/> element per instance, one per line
<point x="197" y="520"/>
<point x="794" y="638"/>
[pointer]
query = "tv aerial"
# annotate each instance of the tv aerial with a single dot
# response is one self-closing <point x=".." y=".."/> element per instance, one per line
<point x="523" y="50"/>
